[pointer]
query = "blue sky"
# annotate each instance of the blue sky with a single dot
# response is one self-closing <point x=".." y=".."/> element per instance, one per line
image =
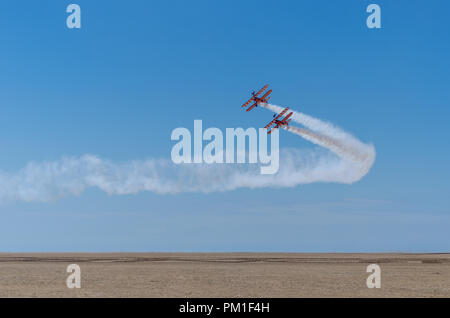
<point x="135" y="71"/>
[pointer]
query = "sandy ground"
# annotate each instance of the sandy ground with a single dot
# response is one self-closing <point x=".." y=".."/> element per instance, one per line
<point x="224" y="275"/>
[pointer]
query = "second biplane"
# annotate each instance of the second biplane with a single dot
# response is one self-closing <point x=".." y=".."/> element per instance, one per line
<point x="256" y="100"/>
<point x="279" y="121"/>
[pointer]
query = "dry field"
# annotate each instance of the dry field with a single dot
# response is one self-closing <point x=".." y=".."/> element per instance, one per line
<point x="224" y="275"/>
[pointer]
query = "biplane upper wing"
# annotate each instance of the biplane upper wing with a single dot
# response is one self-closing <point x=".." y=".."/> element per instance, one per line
<point x="266" y="94"/>
<point x="284" y="111"/>
<point x="262" y="90"/>
<point x="256" y="95"/>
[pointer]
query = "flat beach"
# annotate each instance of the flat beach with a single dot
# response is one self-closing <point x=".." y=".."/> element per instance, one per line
<point x="224" y="275"/>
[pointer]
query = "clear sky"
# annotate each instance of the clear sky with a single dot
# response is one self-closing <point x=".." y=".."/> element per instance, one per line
<point x="136" y="70"/>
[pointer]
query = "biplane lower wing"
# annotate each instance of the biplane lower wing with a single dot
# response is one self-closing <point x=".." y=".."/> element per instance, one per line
<point x="287" y="119"/>
<point x="248" y="102"/>
<point x="251" y="107"/>
<point x="274" y="128"/>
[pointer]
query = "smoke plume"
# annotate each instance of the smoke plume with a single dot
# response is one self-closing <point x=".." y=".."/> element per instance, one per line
<point x="345" y="159"/>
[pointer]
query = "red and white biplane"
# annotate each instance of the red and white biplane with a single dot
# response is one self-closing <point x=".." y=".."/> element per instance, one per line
<point x="278" y="121"/>
<point x="263" y="99"/>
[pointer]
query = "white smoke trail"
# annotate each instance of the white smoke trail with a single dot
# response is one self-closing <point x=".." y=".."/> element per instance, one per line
<point x="48" y="181"/>
<point x="361" y="161"/>
<point x="325" y="128"/>
<point x="333" y="138"/>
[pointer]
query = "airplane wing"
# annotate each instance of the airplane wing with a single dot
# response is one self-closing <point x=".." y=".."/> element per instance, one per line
<point x="287" y="117"/>
<point x="275" y="127"/>
<point x="269" y="124"/>
<point x="251" y="107"/>
<point x="248" y="102"/>
<point x="282" y="113"/>
<point x="262" y="90"/>
<point x="266" y="94"/>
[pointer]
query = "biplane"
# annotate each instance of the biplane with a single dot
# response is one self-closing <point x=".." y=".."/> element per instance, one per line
<point x="256" y="99"/>
<point x="279" y="121"/>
